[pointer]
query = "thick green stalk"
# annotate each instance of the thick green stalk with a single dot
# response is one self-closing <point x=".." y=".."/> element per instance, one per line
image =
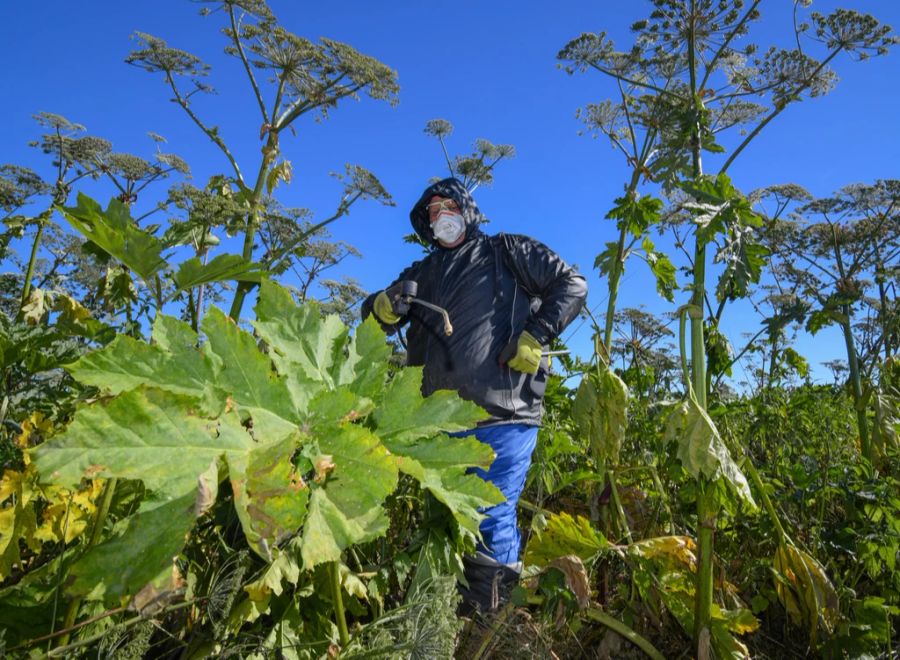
<point x="243" y="288"/>
<point x="614" y="278"/>
<point x="856" y="384"/>
<point x="613" y="624"/>
<point x="707" y="507"/>
<point x="337" y="599"/>
<point x="707" y="511"/>
<point x="29" y="272"/>
<point x="698" y="346"/>
<point x="192" y="308"/>
<point x="618" y="269"/>
<point x="611" y="478"/>
<point x="761" y="493"/>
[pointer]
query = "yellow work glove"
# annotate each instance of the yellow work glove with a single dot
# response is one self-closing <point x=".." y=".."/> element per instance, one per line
<point x="522" y="354"/>
<point x="391" y="305"/>
<point x="384" y="310"/>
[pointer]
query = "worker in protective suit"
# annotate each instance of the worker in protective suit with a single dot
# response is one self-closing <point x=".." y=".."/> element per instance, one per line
<point x="507" y="297"/>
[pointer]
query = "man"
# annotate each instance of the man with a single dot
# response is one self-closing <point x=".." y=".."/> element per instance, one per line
<point x="507" y="297"/>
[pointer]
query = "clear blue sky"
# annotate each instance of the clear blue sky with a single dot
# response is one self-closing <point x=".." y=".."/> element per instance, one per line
<point x="488" y="67"/>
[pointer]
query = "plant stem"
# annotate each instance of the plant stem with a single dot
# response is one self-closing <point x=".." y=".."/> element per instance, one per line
<point x="856" y="383"/>
<point x="192" y="308"/>
<point x="764" y="496"/>
<point x="614" y="624"/>
<point x="657" y="482"/>
<point x="29" y="272"/>
<point x="80" y="624"/>
<point x="269" y="154"/>
<point x="62" y="651"/>
<point x="338" y="601"/>
<point x="611" y="477"/>
<point x="707" y="507"/>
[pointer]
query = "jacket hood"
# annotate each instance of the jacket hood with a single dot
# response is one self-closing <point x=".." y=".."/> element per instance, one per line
<point x="450" y="189"/>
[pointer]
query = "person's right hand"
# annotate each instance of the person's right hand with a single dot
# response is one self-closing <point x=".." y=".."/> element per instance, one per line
<point x="390" y="304"/>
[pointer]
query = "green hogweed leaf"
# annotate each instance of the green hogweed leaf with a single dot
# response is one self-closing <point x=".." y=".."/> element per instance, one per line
<point x="224" y="267"/>
<point x="636" y="215"/>
<point x="564" y="536"/>
<point x="298" y="336"/>
<point x="744" y="259"/>
<point x="140" y="554"/>
<point x="366" y="365"/>
<point x="405" y="415"/>
<point x="246" y="374"/>
<point x="662" y="268"/>
<point x="606" y="260"/>
<point x="357" y="474"/>
<point x="146" y="434"/>
<point x="116" y="233"/>
<point x="187" y="405"/>
<point x="269" y="496"/>
<point x="173" y="363"/>
<point x="440" y="464"/>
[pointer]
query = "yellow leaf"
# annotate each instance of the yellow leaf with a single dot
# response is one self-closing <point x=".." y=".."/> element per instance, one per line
<point x="10" y="484"/>
<point x="36" y="307"/>
<point x="35" y="424"/>
<point x="805" y="590"/>
<point x="68" y="515"/>
<point x="679" y="549"/>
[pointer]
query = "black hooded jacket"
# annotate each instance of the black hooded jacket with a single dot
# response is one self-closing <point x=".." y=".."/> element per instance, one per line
<point x="493" y="288"/>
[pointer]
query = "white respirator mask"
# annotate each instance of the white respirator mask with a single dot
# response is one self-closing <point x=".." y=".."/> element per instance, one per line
<point x="448" y="227"/>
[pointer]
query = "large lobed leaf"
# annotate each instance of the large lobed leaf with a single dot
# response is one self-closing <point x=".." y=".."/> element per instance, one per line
<point x="172" y="363"/>
<point x="347" y="508"/>
<point x="180" y="409"/>
<point x="441" y="465"/>
<point x="562" y="537"/>
<point x="117" y="234"/>
<point x="405" y="415"/>
<point x="224" y="267"/>
<point x="146" y="434"/>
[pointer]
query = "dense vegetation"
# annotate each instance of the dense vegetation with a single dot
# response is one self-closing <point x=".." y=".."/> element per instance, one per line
<point x="179" y="481"/>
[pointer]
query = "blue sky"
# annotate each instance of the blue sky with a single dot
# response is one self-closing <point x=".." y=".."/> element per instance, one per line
<point x="488" y="67"/>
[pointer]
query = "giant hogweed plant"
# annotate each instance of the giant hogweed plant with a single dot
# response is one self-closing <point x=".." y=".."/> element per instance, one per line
<point x="689" y="76"/>
<point x="74" y="157"/>
<point x="290" y="77"/>
<point x="63" y="294"/>
<point x="838" y="253"/>
<point x="298" y="430"/>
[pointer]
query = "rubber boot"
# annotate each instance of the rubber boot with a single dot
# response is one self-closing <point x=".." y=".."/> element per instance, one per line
<point x="490" y="584"/>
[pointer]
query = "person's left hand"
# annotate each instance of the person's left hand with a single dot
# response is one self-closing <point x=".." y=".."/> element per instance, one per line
<point x="523" y="354"/>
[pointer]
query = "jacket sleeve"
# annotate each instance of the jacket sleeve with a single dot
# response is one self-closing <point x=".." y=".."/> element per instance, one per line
<point x="413" y="272"/>
<point x="544" y="275"/>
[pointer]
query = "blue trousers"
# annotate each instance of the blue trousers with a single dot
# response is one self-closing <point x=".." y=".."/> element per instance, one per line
<point x="513" y="445"/>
